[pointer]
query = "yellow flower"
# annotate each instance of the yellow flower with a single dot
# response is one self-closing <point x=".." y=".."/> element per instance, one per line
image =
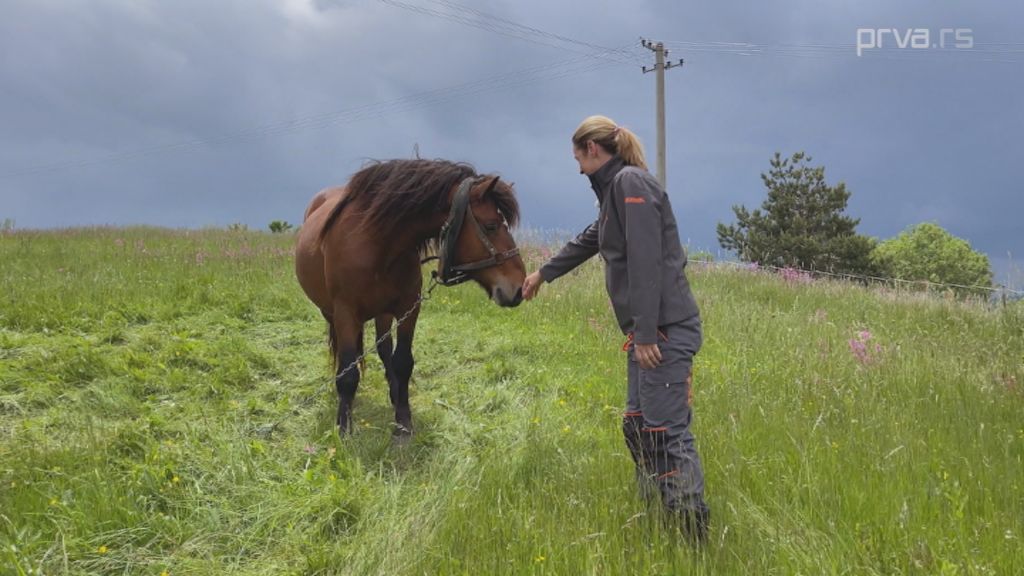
<point x="540" y="559"/>
<point x="102" y="550"/>
<point x="175" y="479"/>
<point x="561" y="402"/>
<point x="54" y="501"/>
<point x="567" y="429"/>
<point x="536" y="420"/>
<point x="165" y="573"/>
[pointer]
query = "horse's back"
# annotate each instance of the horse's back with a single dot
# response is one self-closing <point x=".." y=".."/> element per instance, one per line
<point x="326" y="196"/>
<point x="309" y="258"/>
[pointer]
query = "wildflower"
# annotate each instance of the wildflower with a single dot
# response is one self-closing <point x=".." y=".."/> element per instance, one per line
<point x="540" y="559"/>
<point x="566" y="429"/>
<point x="101" y="550"/>
<point x="175" y="479"/>
<point x="536" y="420"/>
<point x="54" y="501"/>
<point x="561" y="402"/>
<point x="165" y="573"/>
<point x="860" y="349"/>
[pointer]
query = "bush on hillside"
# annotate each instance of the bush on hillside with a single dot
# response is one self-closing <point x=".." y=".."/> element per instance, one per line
<point x="926" y="252"/>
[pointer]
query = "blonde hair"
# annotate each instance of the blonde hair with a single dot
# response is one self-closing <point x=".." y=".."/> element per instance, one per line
<point x="613" y="138"/>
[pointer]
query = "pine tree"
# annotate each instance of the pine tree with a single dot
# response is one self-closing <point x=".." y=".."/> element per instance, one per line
<point x="801" y="224"/>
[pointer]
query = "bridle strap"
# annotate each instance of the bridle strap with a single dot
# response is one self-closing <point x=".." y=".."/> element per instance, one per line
<point x="450" y="274"/>
<point x="496" y="257"/>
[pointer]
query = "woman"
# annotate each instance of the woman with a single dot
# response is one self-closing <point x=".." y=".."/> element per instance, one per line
<point x="636" y="235"/>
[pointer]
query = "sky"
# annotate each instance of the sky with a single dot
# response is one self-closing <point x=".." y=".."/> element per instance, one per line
<point x="196" y="113"/>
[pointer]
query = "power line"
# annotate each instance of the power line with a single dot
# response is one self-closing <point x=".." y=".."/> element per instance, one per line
<point x="472" y="17"/>
<point x="543" y="73"/>
<point x="979" y="53"/>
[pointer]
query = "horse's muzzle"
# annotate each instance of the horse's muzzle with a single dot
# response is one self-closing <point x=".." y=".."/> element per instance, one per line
<point x="505" y="301"/>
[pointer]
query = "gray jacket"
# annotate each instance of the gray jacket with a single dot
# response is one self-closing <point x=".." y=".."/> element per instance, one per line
<point x="636" y="234"/>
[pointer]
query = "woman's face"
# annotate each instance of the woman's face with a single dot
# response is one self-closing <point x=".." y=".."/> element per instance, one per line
<point x="587" y="157"/>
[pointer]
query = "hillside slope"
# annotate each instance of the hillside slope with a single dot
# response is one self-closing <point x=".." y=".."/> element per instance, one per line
<point x="843" y="430"/>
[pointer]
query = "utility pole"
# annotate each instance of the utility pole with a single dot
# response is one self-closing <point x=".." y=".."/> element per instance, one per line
<point x="660" y="66"/>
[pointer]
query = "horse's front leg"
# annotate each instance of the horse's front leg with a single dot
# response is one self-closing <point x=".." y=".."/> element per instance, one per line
<point x="401" y="367"/>
<point x="346" y="380"/>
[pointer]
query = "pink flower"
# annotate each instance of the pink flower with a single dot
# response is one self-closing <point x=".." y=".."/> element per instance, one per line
<point x="794" y="275"/>
<point x="861" y="352"/>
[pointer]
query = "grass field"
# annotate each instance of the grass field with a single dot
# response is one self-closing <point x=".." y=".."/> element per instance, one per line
<point x="843" y="430"/>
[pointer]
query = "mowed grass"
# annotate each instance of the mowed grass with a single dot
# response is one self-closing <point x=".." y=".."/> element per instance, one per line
<point x="844" y="430"/>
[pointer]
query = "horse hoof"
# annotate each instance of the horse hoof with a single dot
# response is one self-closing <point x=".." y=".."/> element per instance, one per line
<point x="402" y="431"/>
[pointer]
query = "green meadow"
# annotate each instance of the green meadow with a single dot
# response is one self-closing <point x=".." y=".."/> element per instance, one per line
<point x="844" y="429"/>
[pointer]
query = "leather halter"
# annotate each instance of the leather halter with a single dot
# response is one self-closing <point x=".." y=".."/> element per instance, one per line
<point x="452" y="274"/>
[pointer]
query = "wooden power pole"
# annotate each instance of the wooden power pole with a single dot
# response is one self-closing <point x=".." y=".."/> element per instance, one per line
<point x="659" y="67"/>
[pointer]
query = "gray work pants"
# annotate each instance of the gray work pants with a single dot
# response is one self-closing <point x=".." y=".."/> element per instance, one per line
<point x="657" y="422"/>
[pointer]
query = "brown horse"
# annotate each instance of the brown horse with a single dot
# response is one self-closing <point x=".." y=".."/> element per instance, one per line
<point x="360" y="252"/>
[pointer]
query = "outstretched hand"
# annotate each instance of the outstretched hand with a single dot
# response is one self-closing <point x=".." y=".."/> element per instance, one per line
<point x="532" y="285"/>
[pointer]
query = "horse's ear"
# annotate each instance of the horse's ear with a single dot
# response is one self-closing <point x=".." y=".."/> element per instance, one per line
<point x="491" y="186"/>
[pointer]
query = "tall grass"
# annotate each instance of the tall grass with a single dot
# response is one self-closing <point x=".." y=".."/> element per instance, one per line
<point x="843" y="430"/>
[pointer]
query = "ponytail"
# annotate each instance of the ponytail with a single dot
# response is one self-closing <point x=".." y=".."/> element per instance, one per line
<point x="613" y="138"/>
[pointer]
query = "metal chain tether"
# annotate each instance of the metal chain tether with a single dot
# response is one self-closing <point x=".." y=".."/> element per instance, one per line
<point x="268" y="429"/>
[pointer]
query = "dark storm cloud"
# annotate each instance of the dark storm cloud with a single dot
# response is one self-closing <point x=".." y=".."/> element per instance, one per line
<point x="931" y="138"/>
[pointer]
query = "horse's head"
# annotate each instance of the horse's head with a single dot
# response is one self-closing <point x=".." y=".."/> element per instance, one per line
<point x="477" y="242"/>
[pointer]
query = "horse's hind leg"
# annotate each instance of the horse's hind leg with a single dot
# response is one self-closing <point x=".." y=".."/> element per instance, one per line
<point x="361" y="349"/>
<point x="385" y="348"/>
<point x="397" y="386"/>
<point x="401" y="366"/>
<point x="348" y="332"/>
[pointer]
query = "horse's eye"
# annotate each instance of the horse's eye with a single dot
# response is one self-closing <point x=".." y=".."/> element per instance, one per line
<point x="492" y="227"/>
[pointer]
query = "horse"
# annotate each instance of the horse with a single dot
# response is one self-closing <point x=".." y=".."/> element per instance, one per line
<point x="360" y="251"/>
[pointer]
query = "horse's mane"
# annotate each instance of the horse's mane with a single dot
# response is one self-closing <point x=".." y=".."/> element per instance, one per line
<point x="390" y="194"/>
